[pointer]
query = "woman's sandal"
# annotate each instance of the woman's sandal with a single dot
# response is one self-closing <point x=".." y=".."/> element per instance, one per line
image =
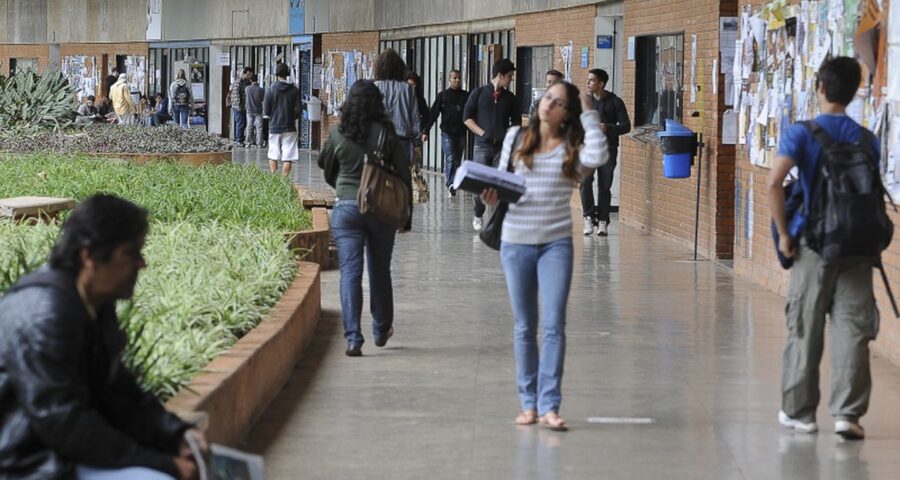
<point x="553" y="421"/>
<point x="528" y="417"/>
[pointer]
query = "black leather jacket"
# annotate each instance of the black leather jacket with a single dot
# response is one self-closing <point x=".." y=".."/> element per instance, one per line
<point x="65" y="396"/>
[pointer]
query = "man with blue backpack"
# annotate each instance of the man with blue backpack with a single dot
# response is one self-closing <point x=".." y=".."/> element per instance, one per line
<point x="832" y="241"/>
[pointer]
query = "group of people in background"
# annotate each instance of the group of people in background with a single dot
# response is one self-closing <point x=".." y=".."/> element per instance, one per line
<point x="120" y="107"/>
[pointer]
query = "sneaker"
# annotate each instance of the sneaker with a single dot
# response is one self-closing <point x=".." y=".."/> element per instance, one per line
<point x="477" y="223"/>
<point x="588" y="226"/>
<point x="849" y="430"/>
<point x="797" y="425"/>
<point x="603" y="229"/>
<point x="450" y="193"/>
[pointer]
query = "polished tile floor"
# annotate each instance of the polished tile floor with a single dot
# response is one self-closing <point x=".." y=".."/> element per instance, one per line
<point x="672" y="372"/>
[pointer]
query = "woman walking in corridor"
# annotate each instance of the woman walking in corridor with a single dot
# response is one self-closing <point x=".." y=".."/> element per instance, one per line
<point x="562" y="140"/>
<point x="363" y="118"/>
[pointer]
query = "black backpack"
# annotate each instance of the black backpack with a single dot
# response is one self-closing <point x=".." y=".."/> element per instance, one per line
<point x="182" y="95"/>
<point x="848" y="217"/>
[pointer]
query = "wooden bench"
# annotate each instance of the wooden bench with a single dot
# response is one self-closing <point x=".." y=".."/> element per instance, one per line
<point x="31" y="207"/>
<point x="315" y="197"/>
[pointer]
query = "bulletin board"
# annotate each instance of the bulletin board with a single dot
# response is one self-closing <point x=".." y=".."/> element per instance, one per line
<point x="779" y="49"/>
<point x="82" y="74"/>
<point x="341" y="70"/>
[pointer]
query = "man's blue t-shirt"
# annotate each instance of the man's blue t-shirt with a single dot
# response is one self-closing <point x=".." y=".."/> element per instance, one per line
<point x="798" y="143"/>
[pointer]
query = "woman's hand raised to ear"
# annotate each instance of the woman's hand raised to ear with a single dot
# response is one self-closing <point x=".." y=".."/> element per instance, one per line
<point x="587" y="101"/>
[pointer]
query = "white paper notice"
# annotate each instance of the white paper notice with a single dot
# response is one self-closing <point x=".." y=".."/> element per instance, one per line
<point x="715" y="76"/>
<point x="894" y="25"/>
<point x="693" y="68"/>
<point x="894" y="69"/>
<point x="729" y="127"/>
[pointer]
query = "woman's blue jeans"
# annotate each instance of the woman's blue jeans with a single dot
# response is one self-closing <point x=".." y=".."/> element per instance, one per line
<point x="355" y="233"/>
<point x="536" y="272"/>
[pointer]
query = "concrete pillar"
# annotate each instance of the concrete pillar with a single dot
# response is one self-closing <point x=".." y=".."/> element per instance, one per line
<point x="214" y="103"/>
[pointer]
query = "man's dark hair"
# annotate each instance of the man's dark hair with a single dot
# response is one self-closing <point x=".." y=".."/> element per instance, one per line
<point x="248" y="70"/>
<point x="282" y="70"/>
<point x="254" y="78"/>
<point x="841" y="77"/>
<point x="600" y="74"/>
<point x="555" y="73"/>
<point x="90" y="97"/>
<point x="101" y="223"/>
<point x="502" y="67"/>
<point x="390" y="66"/>
<point x="456" y="71"/>
<point x="160" y="95"/>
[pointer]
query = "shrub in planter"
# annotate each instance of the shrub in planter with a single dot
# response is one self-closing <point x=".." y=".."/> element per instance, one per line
<point x="230" y="194"/>
<point x="32" y="102"/>
<point x="217" y="259"/>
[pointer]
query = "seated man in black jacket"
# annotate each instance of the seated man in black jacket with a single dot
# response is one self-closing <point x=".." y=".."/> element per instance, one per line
<point x="68" y="406"/>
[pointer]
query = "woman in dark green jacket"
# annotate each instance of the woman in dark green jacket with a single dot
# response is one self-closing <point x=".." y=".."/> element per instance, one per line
<point x="363" y="118"/>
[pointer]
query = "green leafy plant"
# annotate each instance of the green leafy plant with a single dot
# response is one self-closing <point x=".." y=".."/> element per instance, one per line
<point x="228" y="194"/>
<point x="217" y="259"/>
<point x="32" y="102"/>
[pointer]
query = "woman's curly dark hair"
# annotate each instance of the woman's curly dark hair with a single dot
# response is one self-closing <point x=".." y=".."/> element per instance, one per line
<point x="390" y="66"/>
<point x="363" y="106"/>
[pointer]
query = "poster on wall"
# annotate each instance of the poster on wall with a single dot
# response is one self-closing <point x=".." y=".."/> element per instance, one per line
<point x="81" y="72"/>
<point x="341" y="70"/>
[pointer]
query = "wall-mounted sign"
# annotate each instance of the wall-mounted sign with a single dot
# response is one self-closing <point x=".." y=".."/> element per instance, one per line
<point x="604" y="41"/>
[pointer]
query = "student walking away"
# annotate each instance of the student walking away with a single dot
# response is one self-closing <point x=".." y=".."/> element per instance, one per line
<point x="254" y="100"/>
<point x="363" y="120"/>
<point x="236" y="99"/>
<point x="122" y="102"/>
<point x="550" y="78"/>
<point x="536" y="240"/>
<point x="449" y="105"/>
<point x="282" y="105"/>
<point x="614" y="122"/>
<point x="71" y="408"/>
<point x="180" y="100"/>
<point x="490" y="110"/>
<point x="834" y="240"/>
<point x="400" y="100"/>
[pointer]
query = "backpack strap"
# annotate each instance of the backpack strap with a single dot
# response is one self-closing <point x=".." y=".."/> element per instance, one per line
<point x="819" y="134"/>
<point x="887" y="286"/>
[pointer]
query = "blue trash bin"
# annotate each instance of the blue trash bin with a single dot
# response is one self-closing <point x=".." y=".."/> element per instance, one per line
<point x="678" y="144"/>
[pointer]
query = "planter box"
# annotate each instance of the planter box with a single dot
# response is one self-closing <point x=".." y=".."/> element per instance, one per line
<point x="236" y="387"/>
<point x="316" y="240"/>
<point x="195" y="159"/>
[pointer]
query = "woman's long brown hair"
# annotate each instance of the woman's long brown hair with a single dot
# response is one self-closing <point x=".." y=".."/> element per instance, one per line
<point x="571" y="131"/>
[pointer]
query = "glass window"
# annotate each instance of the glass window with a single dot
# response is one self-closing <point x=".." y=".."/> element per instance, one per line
<point x="659" y="79"/>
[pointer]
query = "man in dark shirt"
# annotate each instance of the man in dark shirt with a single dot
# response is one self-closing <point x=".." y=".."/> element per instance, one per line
<point x="614" y="121"/>
<point x="253" y="102"/>
<point x="282" y="105"/>
<point x="449" y="105"/>
<point x="69" y="406"/>
<point x="490" y="111"/>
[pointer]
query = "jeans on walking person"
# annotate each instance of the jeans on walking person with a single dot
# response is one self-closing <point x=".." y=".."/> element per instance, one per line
<point x="599" y="211"/>
<point x="254" y="129"/>
<point x="181" y="115"/>
<point x="453" y="147"/>
<point x="353" y="234"/>
<point x="485" y="155"/>
<point x="131" y="473"/>
<point x="528" y="267"/>
<point x="240" y="124"/>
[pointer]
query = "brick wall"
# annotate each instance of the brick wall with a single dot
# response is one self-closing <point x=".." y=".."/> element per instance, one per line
<point x="532" y="30"/>
<point x="754" y="255"/>
<point x="39" y="51"/>
<point x="663" y="206"/>
<point x="366" y="42"/>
